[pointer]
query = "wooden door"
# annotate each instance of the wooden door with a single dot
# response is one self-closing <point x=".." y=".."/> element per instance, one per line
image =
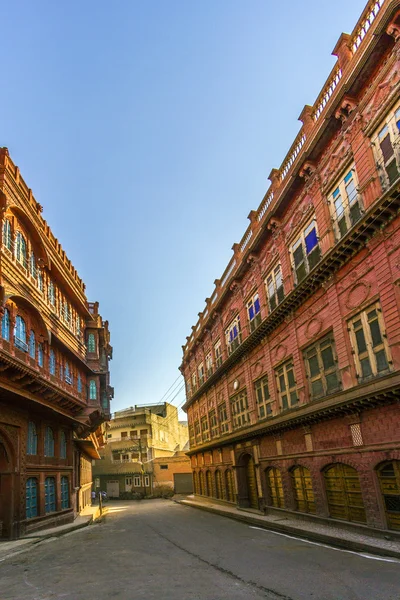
<point x="343" y="493"/>
<point x="389" y="479"/>
<point x="303" y="490"/>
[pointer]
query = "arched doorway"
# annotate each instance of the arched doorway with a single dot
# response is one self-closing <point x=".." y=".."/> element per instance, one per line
<point x="230" y="495"/>
<point x="209" y="484"/>
<point x="275" y="487"/>
<point x="303" y="490"/>
<point x="248" y="494"/>
<point x="218" y="484"/>
<point x="389" y="479"/>
<point x="343" y="492"/>
<point x="202" y="484"/>
<point x="6" y="489"/>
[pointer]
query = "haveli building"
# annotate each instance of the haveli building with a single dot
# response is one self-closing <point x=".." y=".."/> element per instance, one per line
<point x="138" y="437"/>
<point x="292" y="370"/>
<point x="54" y="376"/>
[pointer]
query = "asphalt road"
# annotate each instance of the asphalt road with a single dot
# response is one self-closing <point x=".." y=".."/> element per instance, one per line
<point x="160" y="550"/>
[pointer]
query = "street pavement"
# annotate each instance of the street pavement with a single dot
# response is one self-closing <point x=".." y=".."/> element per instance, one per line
<point x="160" y="550"/>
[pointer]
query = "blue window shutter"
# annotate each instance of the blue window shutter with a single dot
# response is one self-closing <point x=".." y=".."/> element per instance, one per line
<point x="32" y="344"/>
<point x="5" y="325"/>
<point x="311" y="240"/>
<point x="31" y="497"/>
<point x="257" y="305"/>
<point x="251" y="312"/>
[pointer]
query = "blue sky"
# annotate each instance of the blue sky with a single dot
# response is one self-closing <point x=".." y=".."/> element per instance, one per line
<point x="147" y="130"/>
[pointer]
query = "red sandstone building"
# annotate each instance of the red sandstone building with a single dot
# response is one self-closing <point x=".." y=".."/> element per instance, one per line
<point x="293" y="368"/>
<point x="54" y="376"/>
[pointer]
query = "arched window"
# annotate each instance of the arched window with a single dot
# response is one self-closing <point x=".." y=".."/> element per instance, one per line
<point x="31" y="446"/>
<point x="195" y="482"/>
<point x="92" y="390"/>
<point x="32" y="265"/>
<point x="21" y="250"/>
<point x="40" y="280"/>
<point x="64" y="493"/>
<point x="20" y="334"/>
<point x="5" y="325"/>
<point x="218" y="484"/>
<point x="63" y="445"/>
<point x="79" y="383"/>
<point x="7" y="235"/>
<point x="51" y="293"/>
<point x="49" y="494"/>
<point x="209" y="484"/>
<point x="32" y="344"/>
<point x="40" y="355"/>
<point x="67" y="373"/>
<point x="52" y="362"/>
<point x="202" y="484"/>
<point x="48" y="442"/>
<point x="91" y="343"/>
<point x="31" y="489"/>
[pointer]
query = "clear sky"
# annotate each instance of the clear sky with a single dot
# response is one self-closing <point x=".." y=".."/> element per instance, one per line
<point x="147" y="130"/>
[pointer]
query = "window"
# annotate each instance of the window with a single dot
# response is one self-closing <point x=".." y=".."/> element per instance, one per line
<point x="64" y="493"/>
<point x="48" y="442"/>
<point x="32" y="344"/>
<point x="7" y="234"/>
<point x="146" y="481"/>
<point x="194" y="382"/>
<point x="20" y="334"/>
<point x="253" y="311"/>
<point x="205" y="434"/>
<point x="213" y="423"/>
<point x="40" y="280"/>
<point x="191" y="435"/>
<point x="163" y="467"/>
<point x="78" y="325"/>
<point x="286" y="384"/>
<point x="188" y="388"/>
<point x="345" y="204"/>
<point x="31" y="495"/>
<point x="240" y="409"/>
<point x="40" y="355"/>
<point x="306" y="251"/>
<point x="51" y="293"/>
<point x="67" y="313"/>
<point x="79" y="383"/>
<point x="92" y="390"/>
<point x="91" y="343"/>
<point x="233" y="335"/>
<point x="274" y="285"/>
<point x="21" y="250"/>
<point x="200" y="369"/>
<point x="369" y="343"/>
<point x="32" y="265"/>
<point x="223" y="418"/>
<point x="218" y="353"/>
<point x="263" y="398"/>
<point x="61" y="369"/>
<point x="136" y="480"/>
<point x="5" y="325"/>
<point x="124" y="434"/>
<point x="31" y="445"/>
<point x="67" y="374"/>
<point x="322" y="370"/>
<point x="209" y="364"/>
<point x="197" y="432"/>
<point x="387" y="149"/>
<point x="63" y="445"/>
<point x="49" y="494"/>
<point x="52" y="362"/>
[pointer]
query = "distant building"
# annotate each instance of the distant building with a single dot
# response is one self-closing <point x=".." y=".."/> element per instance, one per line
<point x="174" y="472"/>
<point x="135" y="437"/>
<point x="54" y="377"/>
<point x="293" y="369"/>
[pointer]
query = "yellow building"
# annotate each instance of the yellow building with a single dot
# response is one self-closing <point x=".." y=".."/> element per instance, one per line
<point x="136" y="437"/>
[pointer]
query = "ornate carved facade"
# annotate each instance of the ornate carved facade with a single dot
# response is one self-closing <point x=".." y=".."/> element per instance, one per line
<point x="54" y="377"/>
<point x="299" y="406"/>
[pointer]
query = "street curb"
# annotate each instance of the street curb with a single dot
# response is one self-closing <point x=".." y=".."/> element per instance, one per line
<point x="295" y="532"/>
<point x="33" y="540"/>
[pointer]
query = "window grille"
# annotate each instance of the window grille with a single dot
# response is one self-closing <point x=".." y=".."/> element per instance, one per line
<point x="356" y="434"/>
